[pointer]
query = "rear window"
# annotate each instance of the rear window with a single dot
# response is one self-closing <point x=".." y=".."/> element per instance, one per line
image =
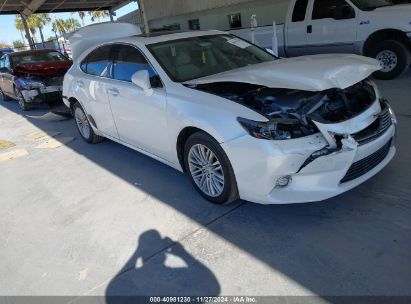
<point x="334" y="9"/>
<point x="300" y="9"/>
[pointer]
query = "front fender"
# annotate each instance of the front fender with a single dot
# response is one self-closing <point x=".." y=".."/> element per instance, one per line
<point x="212" y="114"/>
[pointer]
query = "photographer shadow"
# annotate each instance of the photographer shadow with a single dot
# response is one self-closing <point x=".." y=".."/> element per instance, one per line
<point x="172" y="271"/>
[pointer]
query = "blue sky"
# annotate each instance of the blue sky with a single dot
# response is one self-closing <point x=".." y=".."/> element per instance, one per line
<point x="8" y="33"/>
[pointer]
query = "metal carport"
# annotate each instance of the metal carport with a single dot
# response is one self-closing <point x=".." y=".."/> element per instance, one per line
<point x="26" y="7"/>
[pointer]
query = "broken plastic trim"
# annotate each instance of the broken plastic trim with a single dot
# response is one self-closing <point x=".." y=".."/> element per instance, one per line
<point x="385" y="119"/>
<point x="28" y="83"/>
<point x="343" y="143"/>
<point x="322" y="152"/>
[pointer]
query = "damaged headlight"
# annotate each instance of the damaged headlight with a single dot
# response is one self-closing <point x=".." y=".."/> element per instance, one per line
<point x="29" y="83"/>
<point x="275" y="129"/>
<point x="391" y="111"/>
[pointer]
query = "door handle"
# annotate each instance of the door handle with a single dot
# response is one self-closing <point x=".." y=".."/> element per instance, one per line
<point x="113" y="91"/>
<point x="309" y="29"/>
<point x="80" y="83"/>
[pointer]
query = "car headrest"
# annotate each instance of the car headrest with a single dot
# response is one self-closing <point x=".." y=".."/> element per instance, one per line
<point x="183" y="57"/>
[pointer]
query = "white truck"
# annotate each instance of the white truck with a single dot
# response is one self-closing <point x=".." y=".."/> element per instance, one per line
<point x="376" y="28"/>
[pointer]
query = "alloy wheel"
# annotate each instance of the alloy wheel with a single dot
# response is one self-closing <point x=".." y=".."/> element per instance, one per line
<point x="82" y="123"/>
<point x="206" y="170"/>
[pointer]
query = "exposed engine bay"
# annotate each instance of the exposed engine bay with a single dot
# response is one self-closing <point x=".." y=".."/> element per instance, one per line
<point x="292" y="112"/>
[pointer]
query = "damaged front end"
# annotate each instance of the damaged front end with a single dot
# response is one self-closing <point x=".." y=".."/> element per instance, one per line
<point x="36" y="90"/>
<point x="43" y="84"/>
<point x="326" y="139"/>
<point x="295" y="113"/>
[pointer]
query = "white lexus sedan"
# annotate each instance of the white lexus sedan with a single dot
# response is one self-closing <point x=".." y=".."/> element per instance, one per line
<point x="239" y="121"/>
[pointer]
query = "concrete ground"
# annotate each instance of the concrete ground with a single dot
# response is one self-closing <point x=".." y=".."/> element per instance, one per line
<point x="86" y="219"/>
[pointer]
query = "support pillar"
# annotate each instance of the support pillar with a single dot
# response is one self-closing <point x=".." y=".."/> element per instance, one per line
<point x="111" y="15"/>
<point x="143" y="14"/>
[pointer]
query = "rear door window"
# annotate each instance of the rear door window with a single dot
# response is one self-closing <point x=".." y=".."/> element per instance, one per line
<point x="335" y="9"/>
<point x="97" y="62"/>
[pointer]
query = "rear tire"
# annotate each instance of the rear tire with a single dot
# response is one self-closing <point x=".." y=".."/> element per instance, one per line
<point x="25" y="106"/>
<point x="393" y="56"/>
<point x="84" y="126"/>
<point x="209" y="169"/>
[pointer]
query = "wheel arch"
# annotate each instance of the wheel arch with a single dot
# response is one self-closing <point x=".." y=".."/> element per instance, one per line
<point x="72" y="102"/>
<point x="182" y="138"/>
<point x="385" y="34"/>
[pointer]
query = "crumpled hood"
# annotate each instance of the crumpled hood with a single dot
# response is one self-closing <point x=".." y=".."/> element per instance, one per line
<point x="42" y="68"/>
<point x="308" y="73"/>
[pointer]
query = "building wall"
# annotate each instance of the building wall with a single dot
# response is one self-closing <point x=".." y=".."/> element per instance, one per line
<point x="157" y="9"/>
<point x="211" y="17"/>
<point x="132" y="17"/>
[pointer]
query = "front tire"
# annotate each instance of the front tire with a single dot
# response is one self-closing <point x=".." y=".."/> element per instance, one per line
<point x="83" y="125"/>
<point x="25" y="106"/>
<point x="210" y="169"/>
<point x="394" y="58"/>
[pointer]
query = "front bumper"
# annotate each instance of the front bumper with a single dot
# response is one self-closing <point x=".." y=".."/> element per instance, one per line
<point x="42" y="94"/>
<point x="258" y="164"/>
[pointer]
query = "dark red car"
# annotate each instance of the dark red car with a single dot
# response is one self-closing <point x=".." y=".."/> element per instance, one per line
<point x="32" y="76"/>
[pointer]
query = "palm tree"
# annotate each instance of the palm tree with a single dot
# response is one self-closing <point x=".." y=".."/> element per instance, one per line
<point x="98" y="15"/>
<point x="71" y="24"/>
<point x="18" y="45"/>
<point x="18" y="23"/>
<point x="39" y="21"/>
<point x="59" y="26"/>
<point x="32" y="27"/>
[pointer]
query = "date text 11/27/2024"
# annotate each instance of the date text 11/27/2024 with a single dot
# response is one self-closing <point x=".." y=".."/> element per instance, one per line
<point x="204" y="299"/>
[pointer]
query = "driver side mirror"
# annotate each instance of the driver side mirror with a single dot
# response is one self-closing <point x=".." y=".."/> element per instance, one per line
<point x="142" y="79"/>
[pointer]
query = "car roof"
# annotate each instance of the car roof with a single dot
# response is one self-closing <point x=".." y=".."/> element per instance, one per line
<point x="32" y="52"/>
<point x="157" y="37"/>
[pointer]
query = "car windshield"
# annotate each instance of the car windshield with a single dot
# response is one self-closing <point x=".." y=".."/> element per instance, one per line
<point x="367" y="5"/>
<point x="191" y="58"/>
<point x="37" y="57"/>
